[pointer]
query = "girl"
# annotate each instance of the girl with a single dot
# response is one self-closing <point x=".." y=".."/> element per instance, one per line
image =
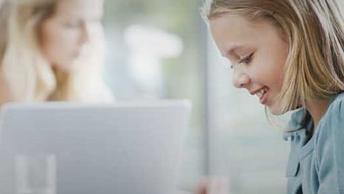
<point x="51" y="50"/>
<point x="290" y="54"/>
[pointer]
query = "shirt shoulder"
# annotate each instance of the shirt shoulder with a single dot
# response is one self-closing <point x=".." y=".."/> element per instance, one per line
<point x="331" y="126"/>
<point x="329" y="140"/>
<point x="333" y="120"/>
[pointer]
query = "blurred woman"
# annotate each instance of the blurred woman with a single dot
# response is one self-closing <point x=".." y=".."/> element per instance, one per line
<point x="52" y="50"/>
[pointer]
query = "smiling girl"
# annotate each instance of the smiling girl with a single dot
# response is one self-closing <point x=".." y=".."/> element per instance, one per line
<point x="290" y="54"/>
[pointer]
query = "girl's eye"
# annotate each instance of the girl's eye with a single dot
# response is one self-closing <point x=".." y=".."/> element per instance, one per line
<point x="246" y="60"/>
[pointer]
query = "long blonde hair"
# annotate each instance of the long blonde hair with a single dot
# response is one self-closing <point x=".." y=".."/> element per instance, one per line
<point x="315" y="33"/>
<point x="26" y="72"/>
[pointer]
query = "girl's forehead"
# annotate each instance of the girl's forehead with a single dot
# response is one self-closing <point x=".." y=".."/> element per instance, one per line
<point x="237" y="28"/>
<point x="237" y="22"/>
<point x="233" y="31"/>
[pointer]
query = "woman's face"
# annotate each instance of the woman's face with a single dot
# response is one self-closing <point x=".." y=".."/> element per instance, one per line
<point x="63" y="35"/>
<point x="258" y="55"/>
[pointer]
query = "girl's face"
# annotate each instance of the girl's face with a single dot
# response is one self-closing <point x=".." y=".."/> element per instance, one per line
<point x="63" y="35"/>
<point x="257" y="53"/>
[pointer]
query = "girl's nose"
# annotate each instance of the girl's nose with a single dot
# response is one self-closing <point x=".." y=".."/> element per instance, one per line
<point x="240" y="79"/>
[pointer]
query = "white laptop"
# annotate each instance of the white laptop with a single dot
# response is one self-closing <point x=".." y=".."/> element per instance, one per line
<point x="122" y="148"/>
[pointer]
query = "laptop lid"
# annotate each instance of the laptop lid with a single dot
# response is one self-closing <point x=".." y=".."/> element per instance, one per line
<point x="122" y="148"/>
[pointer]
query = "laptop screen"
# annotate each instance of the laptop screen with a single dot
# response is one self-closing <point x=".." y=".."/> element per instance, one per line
<point x="91" y="149"/>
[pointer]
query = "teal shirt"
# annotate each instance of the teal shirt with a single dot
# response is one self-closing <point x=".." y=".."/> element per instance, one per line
<point x="316" y="164"/>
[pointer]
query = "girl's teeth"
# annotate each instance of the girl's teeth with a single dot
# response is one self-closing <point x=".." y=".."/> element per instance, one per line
<point x="261" y="93"/>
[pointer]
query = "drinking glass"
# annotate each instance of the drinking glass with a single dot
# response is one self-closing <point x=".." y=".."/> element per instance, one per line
<point x="35" y="174"/>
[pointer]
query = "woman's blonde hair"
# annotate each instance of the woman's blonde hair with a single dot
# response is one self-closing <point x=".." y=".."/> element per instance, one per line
<point x="315" y="33"/>
<point x="26" y="72"/>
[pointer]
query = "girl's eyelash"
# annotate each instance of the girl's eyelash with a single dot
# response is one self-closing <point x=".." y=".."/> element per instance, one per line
<point x="247" y="59"/>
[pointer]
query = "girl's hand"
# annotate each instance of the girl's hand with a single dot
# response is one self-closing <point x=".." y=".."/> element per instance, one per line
<point x="212" y="185"/>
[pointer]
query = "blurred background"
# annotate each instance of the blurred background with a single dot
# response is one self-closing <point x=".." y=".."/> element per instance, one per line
<point x="161" y="49"/>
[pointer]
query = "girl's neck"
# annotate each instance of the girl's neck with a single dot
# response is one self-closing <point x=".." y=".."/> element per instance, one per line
<point x="317" y="108"/>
